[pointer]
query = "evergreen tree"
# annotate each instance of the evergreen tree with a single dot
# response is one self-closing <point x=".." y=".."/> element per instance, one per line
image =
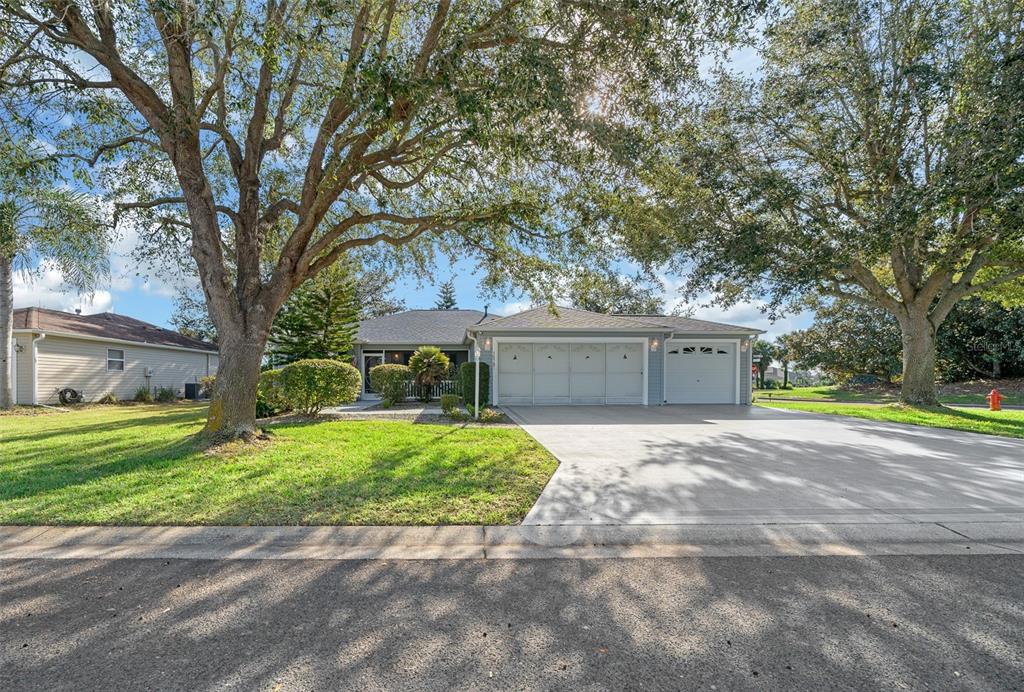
<point x="446" y="297"/>
<point x="319" y="320"/>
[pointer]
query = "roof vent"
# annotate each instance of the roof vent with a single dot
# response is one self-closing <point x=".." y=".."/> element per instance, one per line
<point x="78" y="311"/>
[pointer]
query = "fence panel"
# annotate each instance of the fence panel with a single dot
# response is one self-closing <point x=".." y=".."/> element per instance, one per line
<point x="448" y="386"/>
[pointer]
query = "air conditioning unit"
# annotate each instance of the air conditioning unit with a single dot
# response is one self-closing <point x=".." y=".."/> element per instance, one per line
<point x="147" y="372"/>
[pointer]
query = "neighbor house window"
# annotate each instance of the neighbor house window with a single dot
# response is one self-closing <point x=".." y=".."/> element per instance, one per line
<point x="115" y="359"/>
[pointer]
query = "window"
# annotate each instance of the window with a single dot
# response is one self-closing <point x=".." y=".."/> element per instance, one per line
<point x="705" y="349"/>
<point x="688" y="349"/>
<point x="722" y="352"/>
<point x="115" y="359"/>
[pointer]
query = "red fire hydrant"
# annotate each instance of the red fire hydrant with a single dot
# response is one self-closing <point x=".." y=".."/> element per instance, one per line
<point x="994" y="399"/>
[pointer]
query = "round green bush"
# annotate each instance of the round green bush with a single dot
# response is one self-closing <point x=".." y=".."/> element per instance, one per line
<point x="310" y="385"/>
<point x="391" y="381"/>
<point x="449" y="403"/>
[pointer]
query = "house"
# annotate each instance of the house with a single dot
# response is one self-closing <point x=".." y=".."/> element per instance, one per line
<point x="394" y="338"/>
<point x="100" y="354"/>
<point x="579" y="357"/>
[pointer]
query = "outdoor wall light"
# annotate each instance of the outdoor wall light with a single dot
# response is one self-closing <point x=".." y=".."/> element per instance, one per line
<point x="487" y="344"/>
<point x="743" y="346"/>
<point x="654" y="344"/>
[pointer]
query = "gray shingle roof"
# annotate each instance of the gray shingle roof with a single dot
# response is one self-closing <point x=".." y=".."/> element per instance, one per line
<point x="573" y="319"/>
<point x="688" y="324"/>
<point x="420" y="327"/>
<point x="105" y="325"/>
<point x="567" y="318"/>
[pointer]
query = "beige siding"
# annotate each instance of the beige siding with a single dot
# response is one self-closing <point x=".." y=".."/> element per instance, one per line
<point x="82" y="364"/>
<point x="23" y="375"/>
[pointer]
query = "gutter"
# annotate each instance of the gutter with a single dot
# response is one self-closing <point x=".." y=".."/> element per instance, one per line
<point x="112" y="340"/>
<point x="35" y="368"/>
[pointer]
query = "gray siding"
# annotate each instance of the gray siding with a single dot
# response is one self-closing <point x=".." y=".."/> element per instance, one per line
<point x="82" y="365"/>
<point x="656" y="374"/>
<point x="23" y="373"/>
<point x="746" y="381"/>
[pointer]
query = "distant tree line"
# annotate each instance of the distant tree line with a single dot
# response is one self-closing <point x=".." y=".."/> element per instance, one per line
<point x="979" y="339"/>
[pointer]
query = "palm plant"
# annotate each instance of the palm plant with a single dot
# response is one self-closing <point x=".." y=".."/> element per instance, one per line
<point x="429" y="366"/>
<point x="43" y="227"/>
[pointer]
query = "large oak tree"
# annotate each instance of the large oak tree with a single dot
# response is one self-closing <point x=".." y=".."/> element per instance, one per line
<point x="875" y="156"/>
<point x="272" y="138"/>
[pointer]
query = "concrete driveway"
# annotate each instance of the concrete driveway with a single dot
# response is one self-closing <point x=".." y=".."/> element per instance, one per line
<point x="739" y="464"/>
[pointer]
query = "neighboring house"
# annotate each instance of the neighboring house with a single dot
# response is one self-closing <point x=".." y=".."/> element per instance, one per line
<point x="797" y="378"/>
<point x="394" y="338"/>
<point x="580" y="357"/>
<point x="97" y="354"/>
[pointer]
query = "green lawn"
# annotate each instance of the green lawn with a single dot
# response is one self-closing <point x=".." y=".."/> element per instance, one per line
<point x="1005" y="423"/>
<point x="833" y="393"/>
<point x="139" y="465"/>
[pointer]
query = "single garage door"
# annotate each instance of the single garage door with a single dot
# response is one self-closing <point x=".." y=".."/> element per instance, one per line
<point x="700" y="372"/>
<point x="570" y="373"/>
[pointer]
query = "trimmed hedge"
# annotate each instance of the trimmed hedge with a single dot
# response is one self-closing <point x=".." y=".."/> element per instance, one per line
<point x="467" y="378"/>
<point x="391" y="381"/>
<point x="270" y="399"/>
<point x="310" y="385"/>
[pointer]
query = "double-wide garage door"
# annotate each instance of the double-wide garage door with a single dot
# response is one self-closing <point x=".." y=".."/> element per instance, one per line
<point x="570" y="373"/>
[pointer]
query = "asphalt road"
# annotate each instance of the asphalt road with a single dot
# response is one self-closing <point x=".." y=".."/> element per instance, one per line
<point x="933" y="622"/>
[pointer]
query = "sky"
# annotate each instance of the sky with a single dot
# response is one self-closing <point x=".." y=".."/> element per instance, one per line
<point x="144" y="295"/>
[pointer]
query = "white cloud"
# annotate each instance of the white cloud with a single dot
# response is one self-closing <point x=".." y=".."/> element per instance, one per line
<point x="514" y="307"/>
<point x="46" y="289"/>
<point x="744" y="314"/>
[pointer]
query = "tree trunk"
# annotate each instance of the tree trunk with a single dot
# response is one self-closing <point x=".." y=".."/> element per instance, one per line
<point x="785" y="374"/>
<point x="232" y="411"/>
<point x="6" y="331"/>
<point x="918" y="362"/>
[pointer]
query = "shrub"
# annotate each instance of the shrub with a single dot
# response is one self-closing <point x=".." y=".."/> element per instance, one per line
<point x="206" y="386"/>
<point x="270" y="399"/>
<point x="449" y="403"/>
<point x="309" y="385"/>
<point x="466" y="378"/>
<point x="491" y="415"/>
<point x="429" y="366"/>
<point x="166" y="395"/>
<point x="108" y="398"/>
<point x="390" y="381"/>
<point x="144" y="395"/>
<point x="771" y="384"/>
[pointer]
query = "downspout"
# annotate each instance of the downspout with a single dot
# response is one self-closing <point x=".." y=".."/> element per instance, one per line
<point x="476" y="376"/>
<point x="35" y="368"/>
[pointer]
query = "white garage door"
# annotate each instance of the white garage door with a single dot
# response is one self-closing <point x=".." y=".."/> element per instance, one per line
<point x="700" y="372"/>
<point x="570" y="373"/>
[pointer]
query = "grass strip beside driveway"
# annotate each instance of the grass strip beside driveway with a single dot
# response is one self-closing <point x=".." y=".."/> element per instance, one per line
<point x="138" y="465"/>
<point x="833" y="393"/>
<point x="1004" y="423"/>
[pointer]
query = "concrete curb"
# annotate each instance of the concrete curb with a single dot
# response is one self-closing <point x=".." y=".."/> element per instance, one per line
<point x="506" y="542"/>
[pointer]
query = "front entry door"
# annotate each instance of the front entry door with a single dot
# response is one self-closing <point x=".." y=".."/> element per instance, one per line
<point x="370" y="362"/>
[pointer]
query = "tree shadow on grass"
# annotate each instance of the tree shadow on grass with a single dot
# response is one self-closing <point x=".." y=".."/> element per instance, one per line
<point x="68" y="426"/>
<point x="430" y="479"/>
